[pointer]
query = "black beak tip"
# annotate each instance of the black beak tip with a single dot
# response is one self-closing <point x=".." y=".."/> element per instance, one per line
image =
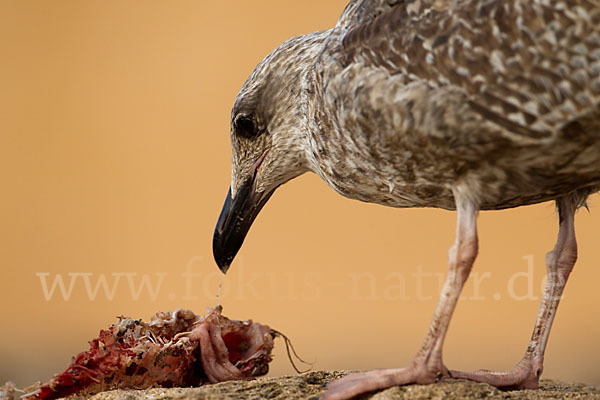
<point x="224" y="267"/>
<point x="221" y="252"/>
<point x="234" y="222"/>
<point x="222" y="257"/>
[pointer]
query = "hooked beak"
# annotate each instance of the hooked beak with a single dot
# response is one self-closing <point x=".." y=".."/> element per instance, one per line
<point x="236" y="218"/>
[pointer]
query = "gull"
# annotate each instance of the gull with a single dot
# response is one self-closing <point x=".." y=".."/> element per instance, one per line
<point x="465" y="105"/>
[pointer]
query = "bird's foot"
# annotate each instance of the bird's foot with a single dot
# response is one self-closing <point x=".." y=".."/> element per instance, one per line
<point x="525" y="375"/>
<point x="362" y="382"/>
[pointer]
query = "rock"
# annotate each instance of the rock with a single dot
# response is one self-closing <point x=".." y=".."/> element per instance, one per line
<point x="310" y="385"/>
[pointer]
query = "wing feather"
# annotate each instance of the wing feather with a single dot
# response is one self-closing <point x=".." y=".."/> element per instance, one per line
<point x="530" y="67"/>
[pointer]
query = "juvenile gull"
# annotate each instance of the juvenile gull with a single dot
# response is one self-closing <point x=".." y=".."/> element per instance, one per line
<point x="460" y="105"/>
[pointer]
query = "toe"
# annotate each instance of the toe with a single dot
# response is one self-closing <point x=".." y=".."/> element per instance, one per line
<point x="363" y="382"/>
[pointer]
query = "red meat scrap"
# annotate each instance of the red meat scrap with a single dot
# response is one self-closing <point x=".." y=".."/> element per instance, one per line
<point x="174" y="349"/>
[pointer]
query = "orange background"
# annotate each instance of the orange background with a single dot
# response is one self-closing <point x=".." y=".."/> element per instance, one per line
<point x="115" y="158"/>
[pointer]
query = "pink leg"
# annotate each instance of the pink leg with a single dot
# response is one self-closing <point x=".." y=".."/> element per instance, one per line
<point x="559" y="262"/>
<point x="427" y="366"/>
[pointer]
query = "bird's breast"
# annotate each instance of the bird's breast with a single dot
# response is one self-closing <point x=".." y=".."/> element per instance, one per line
<point x="372" y="179"/>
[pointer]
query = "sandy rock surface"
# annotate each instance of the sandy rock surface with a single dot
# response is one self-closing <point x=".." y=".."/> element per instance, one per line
<point x="309" y="385"/>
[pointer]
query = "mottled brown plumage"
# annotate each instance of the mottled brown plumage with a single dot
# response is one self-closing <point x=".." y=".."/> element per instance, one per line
<point x="434" y="96"/>
<point x="456" y="104"/>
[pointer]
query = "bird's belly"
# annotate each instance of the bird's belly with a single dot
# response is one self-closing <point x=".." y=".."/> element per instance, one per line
<point x="384" y="185"/>
<point x="494" y="195"/>
<point x="497" y="186"/>
<point x="422" y="171"/>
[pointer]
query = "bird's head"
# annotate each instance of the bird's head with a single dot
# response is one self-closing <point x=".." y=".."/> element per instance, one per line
<point x="268" y="139"/>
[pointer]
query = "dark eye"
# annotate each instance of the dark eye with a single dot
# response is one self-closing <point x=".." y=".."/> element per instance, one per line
<point x="245" y="126"/>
